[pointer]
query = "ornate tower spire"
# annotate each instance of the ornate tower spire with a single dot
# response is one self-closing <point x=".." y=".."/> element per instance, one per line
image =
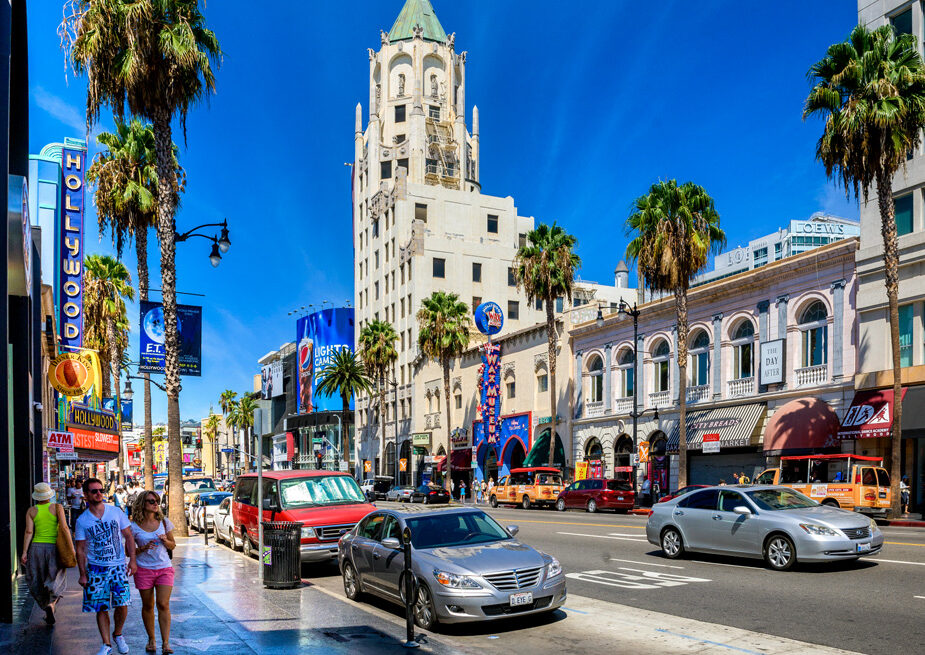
<point x="417" y="16"/>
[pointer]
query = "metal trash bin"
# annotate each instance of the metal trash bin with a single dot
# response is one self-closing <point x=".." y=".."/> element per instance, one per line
<point x="281" y="557"/>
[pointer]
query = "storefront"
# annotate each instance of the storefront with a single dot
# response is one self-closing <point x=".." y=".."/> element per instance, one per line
<point x="496" y="460"/>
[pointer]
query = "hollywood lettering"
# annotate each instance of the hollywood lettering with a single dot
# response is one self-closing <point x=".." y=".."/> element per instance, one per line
<point x="91" y="419"/>
<point x="70" y="239"/>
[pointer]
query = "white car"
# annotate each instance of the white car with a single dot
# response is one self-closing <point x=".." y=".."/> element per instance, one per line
<point x="202" y="510"/>
<point x="223" y="524"/>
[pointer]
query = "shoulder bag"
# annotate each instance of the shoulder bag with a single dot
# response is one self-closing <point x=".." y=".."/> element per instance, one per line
<point x="169" y="552"/>
<point x="67" y="558"/>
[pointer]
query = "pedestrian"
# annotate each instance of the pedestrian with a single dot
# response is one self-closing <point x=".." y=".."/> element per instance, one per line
<point x="483" y="489"/>
<point x="452" y="488"/>
<point x="131" y="494"/>
<point x="722" y="483"/>
<point x="154" y="542"/>
<point x="462" y="491"/>
<point x="46" y="579"/>
<point x="101" y="554"/>
<point x="656" y="491"/>
<point x="646" y="491"/>
<point x="119" y="499"/>
<point x="743" y="479"/>
<point x="904" y="494"/>
<point x="75" y="498"/>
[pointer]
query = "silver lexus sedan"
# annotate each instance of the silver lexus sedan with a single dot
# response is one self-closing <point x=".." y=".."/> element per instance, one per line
<point x="468" y="567"/>
<point x="775" y="523"/>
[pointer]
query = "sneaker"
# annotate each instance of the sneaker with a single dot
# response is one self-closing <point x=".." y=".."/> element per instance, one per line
<point x="120" y="643"/>
<point x="104" y="650"/>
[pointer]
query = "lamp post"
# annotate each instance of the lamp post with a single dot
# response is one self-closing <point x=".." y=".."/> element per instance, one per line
<point x="625" y="310"/>
<point x="395" y="413"/>
<point x="220" y="244"/>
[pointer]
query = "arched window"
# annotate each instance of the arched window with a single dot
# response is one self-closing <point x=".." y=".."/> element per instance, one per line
<point x="627" y="372"/>
<point x="593" y="450"/>
<point x="596" y="371"/>
<point x="700" y="359"/>
<point x="743" y="345"/>
<point x="661" y="356"/>
<point x="814" y="334"/>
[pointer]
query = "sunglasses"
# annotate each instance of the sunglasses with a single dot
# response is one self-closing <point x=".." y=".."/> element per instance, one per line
<point x="151" y="501"/>
<point x="95" y="490"/>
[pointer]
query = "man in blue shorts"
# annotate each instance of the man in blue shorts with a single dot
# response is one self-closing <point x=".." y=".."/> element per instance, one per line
<point x="99" y="535"/>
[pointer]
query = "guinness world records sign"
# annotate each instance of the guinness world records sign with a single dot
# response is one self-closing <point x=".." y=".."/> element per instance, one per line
<point x="489" y="319"/>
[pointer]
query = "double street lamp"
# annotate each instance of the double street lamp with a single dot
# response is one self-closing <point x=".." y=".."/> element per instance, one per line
<point x="220" y="244"/>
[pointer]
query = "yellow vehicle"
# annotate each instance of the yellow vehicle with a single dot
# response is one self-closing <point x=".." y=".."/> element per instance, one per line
<point x="852" y="482"/>
<point x="538" y="485"/>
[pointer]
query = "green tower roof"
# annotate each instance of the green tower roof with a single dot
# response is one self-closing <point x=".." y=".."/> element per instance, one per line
<point x="417" y="12"/>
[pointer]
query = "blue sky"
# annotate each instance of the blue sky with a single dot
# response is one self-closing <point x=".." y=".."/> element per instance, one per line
<point x="582" y="107"/>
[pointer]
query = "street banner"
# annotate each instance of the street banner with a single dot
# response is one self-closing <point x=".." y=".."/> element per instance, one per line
<point x="643" y="452"/>
<point x="319" y="337"/>
<point x="489" y="383"/>
<point x="581" y="470"/>
<point x="367" y="466"/>
<point x="189" y="327"/>
<point x="127" y="408"/>
<point x="271" y="380"/>
<point x="70" y="248"/>
<point x="403" y="464"/>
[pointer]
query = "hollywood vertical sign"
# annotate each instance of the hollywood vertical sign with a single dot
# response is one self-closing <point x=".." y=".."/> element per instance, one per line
<point x="70" y="248"/>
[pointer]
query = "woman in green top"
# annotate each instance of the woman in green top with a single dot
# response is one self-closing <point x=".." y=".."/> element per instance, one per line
<point x="39" y="552"/>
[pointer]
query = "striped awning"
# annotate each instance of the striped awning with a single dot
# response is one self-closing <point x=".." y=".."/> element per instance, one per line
<point x="736" y="426"/>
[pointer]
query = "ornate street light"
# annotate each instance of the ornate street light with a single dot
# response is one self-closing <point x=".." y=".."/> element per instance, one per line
<point x="219" y="244"/>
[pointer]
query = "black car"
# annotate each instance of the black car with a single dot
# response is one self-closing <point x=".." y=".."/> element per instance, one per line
<point x="430" y="495"/>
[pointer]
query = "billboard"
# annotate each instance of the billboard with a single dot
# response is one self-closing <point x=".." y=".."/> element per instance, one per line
<point x="319" y="337"/>
<point x="271" y="380"/>
<point x="70" y="248"/>
<point x="189" y="326"/>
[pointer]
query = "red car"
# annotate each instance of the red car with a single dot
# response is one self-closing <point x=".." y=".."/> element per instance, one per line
<point x="682" y="491"/>
<point x="596" y="494"/>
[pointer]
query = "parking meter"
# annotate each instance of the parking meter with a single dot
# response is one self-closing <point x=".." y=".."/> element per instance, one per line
<point x="410" y="589"/>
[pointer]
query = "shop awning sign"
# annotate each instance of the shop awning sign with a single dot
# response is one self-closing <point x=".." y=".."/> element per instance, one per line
<point x="711" y="442"/>
<point x="870" y="415"/>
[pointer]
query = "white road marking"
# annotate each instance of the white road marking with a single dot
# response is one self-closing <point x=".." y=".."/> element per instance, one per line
<point x="897" y="561"/>
<point x="601" y="536"/>
<point x="646" y="579"/>
<point x="630" y="561"/>
<point x="622" y="534"/>
<point x="923" y="597"/>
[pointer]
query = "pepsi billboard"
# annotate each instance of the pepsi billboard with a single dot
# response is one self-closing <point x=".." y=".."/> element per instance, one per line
<point x="319" y="337"/>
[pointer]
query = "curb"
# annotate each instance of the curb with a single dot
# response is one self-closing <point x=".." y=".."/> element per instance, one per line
<point x="640" y="512"/>
<point x="902" y="523"/>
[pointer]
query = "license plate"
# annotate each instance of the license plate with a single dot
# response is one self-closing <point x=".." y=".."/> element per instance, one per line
<point x="619" y="497"/>
<point x="521" y="599"/>
<point x="862" y="548"/>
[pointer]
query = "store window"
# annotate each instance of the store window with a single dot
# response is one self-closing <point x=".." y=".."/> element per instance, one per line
<point x="743" y="351"/>
<point x="700" y="359"/>
<point x="661" y="356"/>
<point x="814" y="335"/>
<point x="596" y="373"/>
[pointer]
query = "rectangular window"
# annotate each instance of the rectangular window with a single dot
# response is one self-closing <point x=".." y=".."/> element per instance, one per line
<point x="376" y="259"/>
<point x="539" y="304"/>
<point x="376" y="287"/>
<point x="511" y="391"/>
<point x="815" y="346"/>
<point x="399" y="138"/>
<point x="476" y="272"/>
<point x="385" y="170"/>
<point x="476" y="301"/>
<point x="542" y="383"/>
<point x="700" y="369"/>
<point x="492" y="224"/>
<point x="760" y="257"/>
<point x="902" y="23"/>
<point x="628" y="381"/>
<point x="511" y="278"/>
<point x="433" y="111"/>
<point x="458" y="401"/>
<point x="439" y="267"/>
<point x="559" y="304"/>
<point x="403" y="163"/>
<point x="375" y="228"/>
<point x="513" y="310"/>
<point x="521" y="240"/>
<point x="576" y="302"/>
<point x="742" y="364"/>
<point x="906" y="315"/>
<point x="432" y="167"/>
<point x="399" y="113"/>
<point x="661" y="375"/>
<point x="778" y="250"/>
<point x="420" y="212"/>
<point x="902" y="208"/>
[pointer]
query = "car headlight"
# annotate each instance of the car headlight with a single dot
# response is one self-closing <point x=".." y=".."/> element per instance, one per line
<point x="818" y="530"/>
<point x="455" y="581"/>
<point x="308" y="533"/>
<point x="553" y="568"/>
<point x="873" y="526"/>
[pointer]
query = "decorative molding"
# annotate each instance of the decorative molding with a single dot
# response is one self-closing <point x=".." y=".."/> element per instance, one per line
<point x="456" y="383"/>
<point x="717" y="317"/>
<point x="541" y="361"/>
<point x="507" y="369"/>
<point x="783" y="300"/>
<point x="839" y="284"/>
<point x="764" y="305"/>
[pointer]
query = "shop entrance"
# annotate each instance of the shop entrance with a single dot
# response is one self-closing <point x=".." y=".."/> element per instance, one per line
<point x="490" y="466"/>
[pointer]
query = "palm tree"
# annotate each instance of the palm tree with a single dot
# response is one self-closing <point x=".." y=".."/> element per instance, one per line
<point x="211" y="431"/>
<point x="871" y="92"/>
<point x="246" y="407"/>
<point x="346" y="376"/>
<point x="377" y="349"/>
<point x="675" y="229"/>
<point x="443" y="335"/>
<point x="226" y="401"/>
<point x="125" y="177"/>
<point x="107" y="284"/>
<point x="156" y="57"/>
<point x="545" y="269"/>
<point x="233" y="422"/>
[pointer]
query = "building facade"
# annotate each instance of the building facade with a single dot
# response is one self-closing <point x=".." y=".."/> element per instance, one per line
<point x="772" y="354"/>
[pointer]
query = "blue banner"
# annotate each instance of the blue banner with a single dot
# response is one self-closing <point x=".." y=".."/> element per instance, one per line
<point x="189" y="326"/>
<point x="70" y="248"/>
<point x="319" y="337"/>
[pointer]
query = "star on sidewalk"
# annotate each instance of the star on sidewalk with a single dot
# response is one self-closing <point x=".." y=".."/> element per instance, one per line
<point x="182" y="618"/>
<point x="202" y="645"/>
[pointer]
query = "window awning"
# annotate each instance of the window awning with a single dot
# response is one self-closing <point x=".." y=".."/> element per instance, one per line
<point x="736" y="427"/>
<point x="462" y="459"/>
<point x="870" y="415"/>
<point x="802" y="425"/>
<point x="539" y="453"/>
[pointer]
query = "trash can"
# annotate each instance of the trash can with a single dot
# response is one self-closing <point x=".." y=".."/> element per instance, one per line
<point x="281" y="557"/>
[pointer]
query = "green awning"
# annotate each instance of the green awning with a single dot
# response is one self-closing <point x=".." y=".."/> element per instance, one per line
<point x="539" y="453"/>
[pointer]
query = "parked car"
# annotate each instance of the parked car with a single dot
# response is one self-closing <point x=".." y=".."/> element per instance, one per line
<point x="429" y="495"/>
<point x="377" y="488"/>
<point x="682" y="491"/>
<point x="223" y="524"/>
<point x="593" y="495"/>
<point x="537" y="485"/>
<point x="467" y="566"/>
<point x="400" y="493"/>
<point x="202" y="509"/>
<point x="776" y="523"/>
<point x="328" y="504"/>
<point x="192" y="487"/>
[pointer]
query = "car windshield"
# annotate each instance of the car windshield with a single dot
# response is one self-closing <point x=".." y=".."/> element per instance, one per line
<point x="320" y="490"/>
<point x="775" y="499"/>
<point x="211" y="500"/>
<point x="195" y="485"/>
<point x="454" y="529"/>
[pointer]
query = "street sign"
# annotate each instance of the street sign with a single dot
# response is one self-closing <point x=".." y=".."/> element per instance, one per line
<point x="227" y="450"/>
<point x="367" y="466"/>
<point x="343" y="466"/>
<point x="402" y="464"/>
<point x="65" y="454"/>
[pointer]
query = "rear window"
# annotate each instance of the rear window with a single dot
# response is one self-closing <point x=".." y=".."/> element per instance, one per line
<point x="700" y="500"/>
<point x="549" y="479"/>
<point x="883" y="478"/>
<point x="210" y="500"/>
<point x="616" y="485"/>
<point x="194" y="485"/>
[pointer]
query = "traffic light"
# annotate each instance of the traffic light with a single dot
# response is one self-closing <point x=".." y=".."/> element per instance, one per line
<point x="199" y="443"/>
<point x="319" y="460"/>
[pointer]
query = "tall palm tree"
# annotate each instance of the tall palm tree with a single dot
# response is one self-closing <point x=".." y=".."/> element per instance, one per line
<point x="377" y="349"/>
<point x="211" y="431"/>
<point x="675" y="228"/>
<point x="156" y="57"/>
<point x="125" y="177"/>
<point x="444" y="326"/>
<point x="345" y="375"/>
<point x="233" y="423"/>
<point x="246" y="407"/>
<point x="545" y="269"/>
<point x="225" y="401"/>
<point x="107" y="285"/>
<point x="871" y="92"/>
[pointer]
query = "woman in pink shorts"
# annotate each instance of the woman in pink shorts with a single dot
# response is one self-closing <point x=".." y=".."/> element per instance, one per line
<point x="154" y="579"/>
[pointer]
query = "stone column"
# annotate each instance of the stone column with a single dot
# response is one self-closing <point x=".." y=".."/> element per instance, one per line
<point x="639" y="373"/>
<point x="763" y="335"/>
<point x="717" y="362"/>
<point x="608" y="356"/>
<point x="838" y="327"/>
<point x="782" y="334"/>
<point x="675" y="369"/>
<point x="579" y="384"/>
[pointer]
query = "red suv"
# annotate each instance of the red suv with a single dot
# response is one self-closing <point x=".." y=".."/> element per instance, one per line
<point x="326" y="503"/>
<point x="596" y="494"/>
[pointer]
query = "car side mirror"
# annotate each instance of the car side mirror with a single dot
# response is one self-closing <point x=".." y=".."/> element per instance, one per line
<point x="742" y="510"/>
<point x="513" y="529"/>
<point x="391" y="542"/>
<point x="268" y="504"/>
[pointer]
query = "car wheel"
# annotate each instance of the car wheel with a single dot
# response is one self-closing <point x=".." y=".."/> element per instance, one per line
<point x="560" y="505"/>
<point x="493" y="501"/>
<point x="216" y="533"/>
<point x="592" y="506"/>
<point x="779" y="553"/>
<point x="425" y="616"/>
<point x="830" y="502"/>
<point x="424" y="500"/>
<point x="351" y="582"/>
<point x="525" y="503"/>
<point x="672" y="543"/>
<point x="246" y="545"/>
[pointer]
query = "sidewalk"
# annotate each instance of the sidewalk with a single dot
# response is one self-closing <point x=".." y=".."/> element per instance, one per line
<point x="217" y="604"/>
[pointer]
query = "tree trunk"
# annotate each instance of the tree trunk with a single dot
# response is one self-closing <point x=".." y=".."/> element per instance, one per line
<point x="449" y="440"/>
<point x="891" y="273"/>
<point x="166" y="229"/>
<point x="551" y="336"/>
<point x="114" y="362"/>
<point x="680" y="297"/>
<point x="344" y="436"/>
<point x="382" y="458"/>
<point x="141" y="254"/>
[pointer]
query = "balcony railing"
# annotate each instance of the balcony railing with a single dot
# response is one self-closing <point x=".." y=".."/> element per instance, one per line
<point x="593" y="409"/>
<point x="698" y="393"/>
<point x="812" y="376"/>
<point x="741" y="387"/>
<point x="623" y="406"/>
<point x="660" y="399"/>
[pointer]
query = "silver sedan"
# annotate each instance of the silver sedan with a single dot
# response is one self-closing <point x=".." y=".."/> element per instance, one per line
<point x="775" y="523"/>
<point x="400" y="494"/>
<point x="467" y="567"/>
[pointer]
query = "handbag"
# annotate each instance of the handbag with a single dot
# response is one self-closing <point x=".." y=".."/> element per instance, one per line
<point x="67" y="558"/>
<point x="169" y="552"/>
